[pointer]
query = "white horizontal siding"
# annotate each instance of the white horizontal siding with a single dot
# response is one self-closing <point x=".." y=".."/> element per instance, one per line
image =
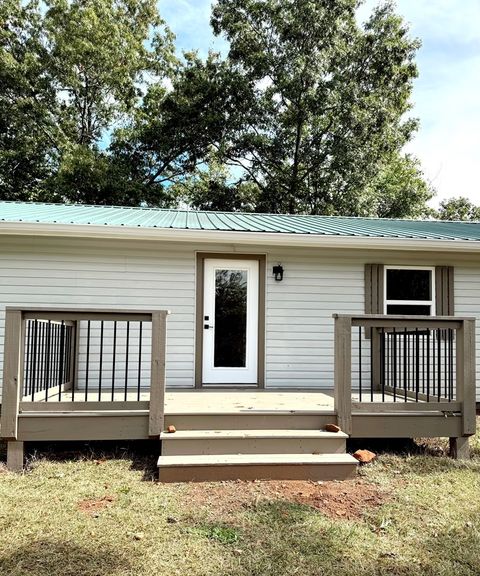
<point x="299" y="323"/>
<point x="467" y="301"/>
<point x="75" y="273"/>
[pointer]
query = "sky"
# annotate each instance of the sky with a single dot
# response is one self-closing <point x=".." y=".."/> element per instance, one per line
<point x="446" y="96"/>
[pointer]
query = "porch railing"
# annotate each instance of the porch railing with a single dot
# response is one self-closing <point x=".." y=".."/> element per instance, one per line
<point x="387" y="364"/>
<point x="66" y="360"/>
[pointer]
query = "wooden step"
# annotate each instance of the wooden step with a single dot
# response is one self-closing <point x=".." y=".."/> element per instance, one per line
<point x="252" y="442"/>
<point x="211" y="468"/>
<point x="251" y="420"/>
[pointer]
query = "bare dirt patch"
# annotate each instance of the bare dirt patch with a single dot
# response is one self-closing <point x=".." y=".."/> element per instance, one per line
<point x="95" y="505"/>
<point x="348" y="499"/>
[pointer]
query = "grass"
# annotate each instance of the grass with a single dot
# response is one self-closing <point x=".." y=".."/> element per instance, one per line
<point x="88" y="516"/>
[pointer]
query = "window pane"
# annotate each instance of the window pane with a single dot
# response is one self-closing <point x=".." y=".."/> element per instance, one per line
<point x="230" y="318"/>
<point x="409" y="284"/>
<point x="408" y="310"/>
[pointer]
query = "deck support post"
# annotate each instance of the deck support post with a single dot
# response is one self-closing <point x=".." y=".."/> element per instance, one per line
<point x="460" y="448"/>
<point x="343" y="372"/>
<point x="15" y="456"/>
<point x="157" y="377"/>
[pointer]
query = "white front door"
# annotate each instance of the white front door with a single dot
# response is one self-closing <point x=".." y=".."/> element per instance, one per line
<point x="230" y="321"/>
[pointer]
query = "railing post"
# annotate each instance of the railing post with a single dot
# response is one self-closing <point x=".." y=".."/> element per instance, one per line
<point x="13" y="360"/>
<point x="465" y="375"/>
<point x="343" y="372"/>
<point x="157" y="377"/>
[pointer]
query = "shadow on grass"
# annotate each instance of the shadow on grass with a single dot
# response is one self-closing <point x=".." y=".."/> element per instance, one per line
<point x="48" y="558"/>
<point x="143" y="454"/>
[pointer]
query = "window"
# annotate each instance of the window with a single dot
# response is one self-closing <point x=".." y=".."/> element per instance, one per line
<point x="409" y="291"/>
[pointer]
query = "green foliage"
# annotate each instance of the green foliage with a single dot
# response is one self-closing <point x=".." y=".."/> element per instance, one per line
<point x="211" y="187"/>
<point x="307" y="114"/>
<point x="28" y="130"/>
<point x="72" y="70"/>
<point x="399" y="190"/>
<point x="325" y="101"/>
<point x="458" y="209"/>
<point x="171" y="134"/>
<point x="219" y="533"/>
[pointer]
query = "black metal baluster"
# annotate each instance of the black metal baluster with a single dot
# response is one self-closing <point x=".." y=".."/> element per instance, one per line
<point x="387" y="365"/>
<point x="74" y="358"/>
<point x="55" y="355"/>
<point x="33" y="344"/>
<point x="445" y="361"/>
<point x="87" y="360"/>
<point x="26" y="361"/>
<point x="114" y="353"/>
<point x="439" y="362"/>
<point x="41" y="359"/>
<point x="423" y="362"/>
<point x="100" y="367"/>
<point x="34" y="359"/>
<point x="61" y="360"/>
<point x="383" y="362"/>
<point x="434" y="388"/>
<point x="450" y="352"/>
<point x="394" y="361"/>
<point x="407" y="356"/>
<point x="428" y="365"/>
<point x="47" y="360"/>
<point x="68" y="355"/>
<point x="417" y="364"/>
<point x="139" y="359"/>
<point x="405" y="361"/>
<point x="127" y="352"/>
<point x="360" y="362"/>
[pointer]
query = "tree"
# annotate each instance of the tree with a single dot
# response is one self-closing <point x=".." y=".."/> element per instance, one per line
<point x="172" y="132"/>
<point x="28" y="127"/>
<point x="212" y="187"/>
<point x="74" y="70"/>
<point x="458" y="209"/>
<point x="323" y="102"/>
<point x="399" y="190"/>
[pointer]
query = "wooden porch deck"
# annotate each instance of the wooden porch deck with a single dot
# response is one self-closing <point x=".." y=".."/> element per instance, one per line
<point x="223" y="401"/>
<point x="410" y="389"/>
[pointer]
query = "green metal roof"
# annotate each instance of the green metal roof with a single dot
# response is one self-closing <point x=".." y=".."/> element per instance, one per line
<point x="114" y="216"/>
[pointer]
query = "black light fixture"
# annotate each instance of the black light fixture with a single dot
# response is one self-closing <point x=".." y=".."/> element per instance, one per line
<point x="278" y="272"/>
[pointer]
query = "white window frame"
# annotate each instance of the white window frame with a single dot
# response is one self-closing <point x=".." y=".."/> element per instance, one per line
<point x="430" y="302"/>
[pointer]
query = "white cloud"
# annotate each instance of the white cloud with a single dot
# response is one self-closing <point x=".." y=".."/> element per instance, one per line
<point x="446" y="92"/>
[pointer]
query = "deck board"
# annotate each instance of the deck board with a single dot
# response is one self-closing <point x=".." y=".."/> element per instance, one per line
<point x="223" y="401"/>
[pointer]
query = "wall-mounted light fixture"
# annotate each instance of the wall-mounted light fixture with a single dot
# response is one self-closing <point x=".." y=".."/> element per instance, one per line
<point x="278" y="272"/>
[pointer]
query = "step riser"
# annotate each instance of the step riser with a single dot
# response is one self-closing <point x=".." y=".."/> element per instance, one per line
<point x="257" y="472"/>
<point x="253" y="446"/>
<point x="249" y="421"/>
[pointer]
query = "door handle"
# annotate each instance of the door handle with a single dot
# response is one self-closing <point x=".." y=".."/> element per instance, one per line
<point x="207" y="326"/>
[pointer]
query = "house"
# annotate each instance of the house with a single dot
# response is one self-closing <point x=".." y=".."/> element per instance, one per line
<point x="262" y="327"/>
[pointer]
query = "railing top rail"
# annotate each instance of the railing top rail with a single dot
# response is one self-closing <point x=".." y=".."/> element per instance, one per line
<point x="404" y="317"/>
<point x="56" y="313"/>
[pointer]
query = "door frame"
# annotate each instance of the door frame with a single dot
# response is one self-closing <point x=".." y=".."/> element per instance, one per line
<point x="199" y="301"/>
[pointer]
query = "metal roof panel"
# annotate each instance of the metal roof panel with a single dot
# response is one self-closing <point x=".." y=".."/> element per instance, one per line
<point x="77" y="214"/>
